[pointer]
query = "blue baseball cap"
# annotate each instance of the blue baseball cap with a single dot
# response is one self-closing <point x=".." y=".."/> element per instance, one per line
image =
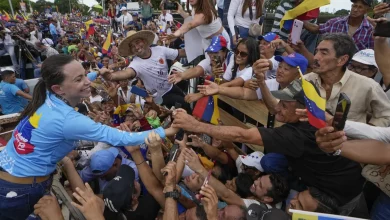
<point x="217" y="43"/>
<point x="274" y="163"/>
<point x="103" y="160"/>
<point x="134" y="14"/>
<point x="294" y="59"/>
<point x="269" y="37"/>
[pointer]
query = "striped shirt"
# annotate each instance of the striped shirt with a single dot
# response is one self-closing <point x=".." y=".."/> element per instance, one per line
<point x="285" y="5"/>
<point x="362" y="37"/>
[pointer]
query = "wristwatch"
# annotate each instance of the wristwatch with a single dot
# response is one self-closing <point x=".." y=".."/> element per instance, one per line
<point x="173" y="194"/>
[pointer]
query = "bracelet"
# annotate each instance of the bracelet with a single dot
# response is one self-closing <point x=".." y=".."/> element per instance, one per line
<point x="140" y="163"/>
<point x="337" y="152"/>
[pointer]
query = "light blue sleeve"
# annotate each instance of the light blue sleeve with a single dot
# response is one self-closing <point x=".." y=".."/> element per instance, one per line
<point x="13" y="89"/>
<point x="92" y="76"/>
<point x="80" y="127"/>
<point x="131" y="164"/>
<point x="86" y="174"/>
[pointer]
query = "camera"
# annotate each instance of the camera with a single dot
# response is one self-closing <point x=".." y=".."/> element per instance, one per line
<point x="170" y="6"/>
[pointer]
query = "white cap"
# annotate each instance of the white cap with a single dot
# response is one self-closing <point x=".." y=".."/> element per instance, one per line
<point x="8" y="68"/>
<point x="99" y="54"/>
<point x="253" y="160"/>
<point x="123" y="8"/>
<point x="365" y="57"/>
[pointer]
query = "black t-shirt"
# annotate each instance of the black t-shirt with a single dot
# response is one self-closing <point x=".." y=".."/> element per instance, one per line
<point x="147" y="209"/>
<point x="337" y="176"/>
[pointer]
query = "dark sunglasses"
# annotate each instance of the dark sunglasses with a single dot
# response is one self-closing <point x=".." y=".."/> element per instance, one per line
<point x="242" y="54"/>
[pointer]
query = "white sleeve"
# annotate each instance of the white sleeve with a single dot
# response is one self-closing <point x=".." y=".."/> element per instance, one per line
<point x="170" y="18"/>
<point x="249" y="202"/>
<point x="205" y="64"/>
<point x="228" y="72"/>
<point x="231" y="14"/>
<point x="247" y="74"/>
<point x="118" y="19"/>
<point x="170" y="54"/>
<point x="358" y="130"/>
<point x="275" y="63"/>
<point x="272" y="86"/>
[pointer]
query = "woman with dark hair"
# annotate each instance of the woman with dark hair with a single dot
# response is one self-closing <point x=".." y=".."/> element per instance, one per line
<point x="243" y="13"/>
<point x="204" y="19"/>
<point x="49" y="129"/>
<point x="245" y="55"/>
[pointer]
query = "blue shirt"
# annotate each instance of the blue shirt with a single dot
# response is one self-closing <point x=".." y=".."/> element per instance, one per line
<point x="87" y="175"/>
<point x="21" y="84"/>
<point x="53" y="29"/>
<point x="10" y="102"/>
<point x="40" y="141"/>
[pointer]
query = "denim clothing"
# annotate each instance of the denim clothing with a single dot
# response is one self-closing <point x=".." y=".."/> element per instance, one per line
<point x="381" y="208"/>
<point x="17" y="200"/>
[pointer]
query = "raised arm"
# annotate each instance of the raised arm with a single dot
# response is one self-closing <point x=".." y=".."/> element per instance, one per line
<point x="232" y="92"/>
<point x="212" y="152"/>
<point x="222" y="191"/>
<point x="358" y="130"/>
<point x="313" y="28"/>
<point x="24" y="95"/>
<point x="223" y="133"/>
<point x="127" y="73"/>
<point x="197" y="21"/>
<point x="382" y="53"/>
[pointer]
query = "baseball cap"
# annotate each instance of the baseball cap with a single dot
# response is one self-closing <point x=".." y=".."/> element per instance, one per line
<point x="274" y="163"/>
<point x="365" y="57"/>
<point x="292" y="92"/>
<point x="294" y="59"/>
<point x="123" y="9"/>
<point x="367" y="2"/>
<point x="8" y="68"/>
<point x="253" y="160"/>
<point x="103" y="160"/>
<point x="269" y="37"/>
<point x="261" y="212"/>
<point x="118" y="192"/>
<point x="134" y="14"/>
<point x="217" y="43"/>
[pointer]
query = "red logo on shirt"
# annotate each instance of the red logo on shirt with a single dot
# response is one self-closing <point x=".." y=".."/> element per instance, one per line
<point x="161" y="61"/>
<point x="21" y="144"/>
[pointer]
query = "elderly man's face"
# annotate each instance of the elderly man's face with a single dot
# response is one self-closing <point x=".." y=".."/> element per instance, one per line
<point x="285" y="112"/>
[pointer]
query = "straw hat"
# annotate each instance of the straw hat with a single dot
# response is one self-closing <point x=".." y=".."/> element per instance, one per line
<point x="124" y="47"/>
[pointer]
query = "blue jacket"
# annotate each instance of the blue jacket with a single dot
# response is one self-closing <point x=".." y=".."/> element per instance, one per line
<point x="40" y="141"/>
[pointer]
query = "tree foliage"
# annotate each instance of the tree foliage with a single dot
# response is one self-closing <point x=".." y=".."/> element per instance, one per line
<point x="342" y="12"/>
<point x="4" y="5"/>
<point x="271" y="5"/>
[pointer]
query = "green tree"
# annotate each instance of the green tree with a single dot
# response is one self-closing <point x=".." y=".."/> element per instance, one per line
<point x="4" y="5"/>
<point x="40" y="5"/>
<point x="271" y="5"/>
<point x="342" y="12"/>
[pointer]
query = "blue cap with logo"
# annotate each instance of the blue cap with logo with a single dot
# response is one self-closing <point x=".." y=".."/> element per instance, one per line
<point x="274" y="163"/>
<point x="294" y="59"/>
<point x="102" y="160"/>
<point x="269" y="37"/>
<point x="217" y="43"/>
<point x="134" y="14"/>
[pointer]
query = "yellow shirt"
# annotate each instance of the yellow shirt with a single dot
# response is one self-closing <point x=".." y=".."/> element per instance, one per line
<point x="366" y="95"/>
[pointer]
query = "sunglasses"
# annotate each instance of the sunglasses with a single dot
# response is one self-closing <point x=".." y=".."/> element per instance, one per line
<point x="242" y="54"/>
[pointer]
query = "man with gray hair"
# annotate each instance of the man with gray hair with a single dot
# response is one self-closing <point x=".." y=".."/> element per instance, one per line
<point x="331" y="76"/>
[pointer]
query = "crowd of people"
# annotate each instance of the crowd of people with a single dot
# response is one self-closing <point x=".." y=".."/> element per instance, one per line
<point x="113" y="115"/>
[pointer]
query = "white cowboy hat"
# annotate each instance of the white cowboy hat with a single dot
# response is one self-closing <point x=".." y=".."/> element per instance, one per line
<point x="124" y="47"/>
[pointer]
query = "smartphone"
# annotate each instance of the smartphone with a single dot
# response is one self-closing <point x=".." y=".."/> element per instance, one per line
<point x="342" y="109"/>
<point x="180" y="135"/>
<point x="206" y="139"/>
<point x="237" y="30"/>
<point x="170" y="6"/>
<point x="173" y="155"/>
<point x="382" y="29"/>
<point x="138" y="91"/>
<point x="190" y="193"/>
<point x="201" y="81"/>
<point x="205" y="182"/>
<point x="296" y="31"/>
<point x="166" y="122"/>
<point x="218" y="61"/>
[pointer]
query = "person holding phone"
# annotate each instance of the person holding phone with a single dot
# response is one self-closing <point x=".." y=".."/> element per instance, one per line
<point x="204" y="19"/>
<point x="165" y="18"/>
<point x="243" y="13"/>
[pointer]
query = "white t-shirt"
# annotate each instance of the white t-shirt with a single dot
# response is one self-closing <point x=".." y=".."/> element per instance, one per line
<point x="154" y="71"/>
<point x="271" y="74"/>
<point x="97" y="98"/>
<point x="272" y="85"/>
<point x="235" y="17"/>
<point x="245" y="74"/>
<point x="164" y="19"/>
<point x="206" y="65"/>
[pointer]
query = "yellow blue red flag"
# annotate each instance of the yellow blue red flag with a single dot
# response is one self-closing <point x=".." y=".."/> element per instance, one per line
<point x="107" y="43"/>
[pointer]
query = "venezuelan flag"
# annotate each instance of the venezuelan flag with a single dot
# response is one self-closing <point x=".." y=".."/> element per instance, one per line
<point x="207" y="107"/>
<point x="315" y="104"/>
<point x="91" y="30"/>
<point x="119" y="114"/>
<point x="87" y="24"/>
<point x="311" y="7"/>
<point x="107" y="43"/>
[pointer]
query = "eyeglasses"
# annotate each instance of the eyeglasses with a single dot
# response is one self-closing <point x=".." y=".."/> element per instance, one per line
<point x="242" y="54"/>
<point x="358" y="69"/>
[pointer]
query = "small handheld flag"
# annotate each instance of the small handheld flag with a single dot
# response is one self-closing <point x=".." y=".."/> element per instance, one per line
<point x="315" y="104"/>
<point x="107" y="43"/>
